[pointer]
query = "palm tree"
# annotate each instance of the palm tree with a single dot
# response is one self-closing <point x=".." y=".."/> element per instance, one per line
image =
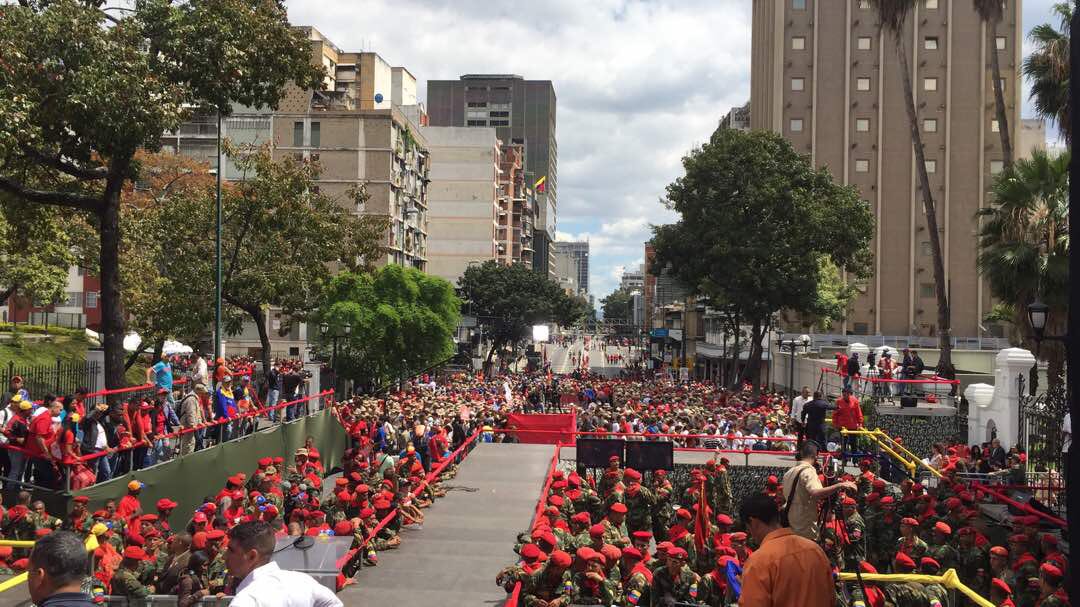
<point x="1024" y="245"/>
<point x="990" y="11"/>
<point x="892" y="14"/>
<point x="1047" y="67"/>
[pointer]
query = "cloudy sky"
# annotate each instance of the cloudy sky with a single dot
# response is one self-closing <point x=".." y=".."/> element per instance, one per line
<point x="638" y="82"/>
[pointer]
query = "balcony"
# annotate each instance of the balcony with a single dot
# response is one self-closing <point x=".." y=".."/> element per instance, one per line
<point x="202" y="128"/>
<point x="332" y="100"/>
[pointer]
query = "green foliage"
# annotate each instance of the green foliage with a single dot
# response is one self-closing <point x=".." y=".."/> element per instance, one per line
<point x="402" y="322"/>
<point x="1048" y="67"/>
<point x="279" y="239"/>
<point x="37" y="247"/>
<point x="756" y="221"/>
<point x="619" y="305"/>
<point x="511" y="299"/>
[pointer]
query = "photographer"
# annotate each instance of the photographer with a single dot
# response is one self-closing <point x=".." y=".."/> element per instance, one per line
<point x="803" y="490"/>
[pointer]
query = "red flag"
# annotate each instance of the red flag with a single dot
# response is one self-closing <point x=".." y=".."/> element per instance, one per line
<point x="702" y="530"/>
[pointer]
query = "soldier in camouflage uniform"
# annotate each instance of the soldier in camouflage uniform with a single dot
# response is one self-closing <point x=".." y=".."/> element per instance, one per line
<point x="675" y="582"/>
<point x="551" y="584"/>
<point x="1025" y="568"/>
<point x="615" y="532"/>
<point x="125" y="581"/>
<point x="723" y="489"/>
<point x="661" y="511"/>
<point x="940" y="549"/>
<point x="909" y="543"/>
<point x="610" y="478"/>
<point x="907" y="594"/>
<point x="936" y="592"/>
<point x="1051" y="594"/>
<point x="592" y="586"/>
<point x="969" y="557"/>
<point x="533" y="560"/>
<point x="882" y="531"/>
<point x="636" y="578"/>
<point x="639" y="502"/>
<point x="855" y="551"/>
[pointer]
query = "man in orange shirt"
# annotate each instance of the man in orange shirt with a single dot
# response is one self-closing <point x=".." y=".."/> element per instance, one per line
<point x="786" y="569"/>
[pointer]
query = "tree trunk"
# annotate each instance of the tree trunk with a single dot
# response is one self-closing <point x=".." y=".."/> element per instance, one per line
<point x="256" y="313"/>
<point x="112" y="313"/>
<point x="944" y="331"/>
<point x="752" y="370"/>
<point x="999" y="99"/>
<point x="736" y="350"/>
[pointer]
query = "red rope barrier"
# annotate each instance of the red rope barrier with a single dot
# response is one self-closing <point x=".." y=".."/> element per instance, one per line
<point x="933" y="379"/>
<point x="1023" y="507"/>
<point x="782" y="439"/>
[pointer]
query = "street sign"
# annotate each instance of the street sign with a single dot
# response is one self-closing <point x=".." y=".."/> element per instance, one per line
<point x="659" y="333"/>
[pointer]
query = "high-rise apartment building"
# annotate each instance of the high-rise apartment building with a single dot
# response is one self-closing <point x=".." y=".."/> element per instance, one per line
<point x="633" y="280"/>
<point x="578" y="254"/>
<point x="523" y="113"/>
<point x="738" y="118"/>
<point x="825" y="78"/>
<point x="463" y="198"/>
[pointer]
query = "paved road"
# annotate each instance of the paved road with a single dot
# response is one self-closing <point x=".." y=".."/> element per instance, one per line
<point x="561" y="363"/>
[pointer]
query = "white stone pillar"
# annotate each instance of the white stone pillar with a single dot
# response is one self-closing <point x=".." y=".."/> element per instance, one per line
<point x="1003" y="413"/>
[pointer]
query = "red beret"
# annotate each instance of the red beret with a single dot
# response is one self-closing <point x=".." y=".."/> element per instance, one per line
<point x="343" y="528"/>
<point x="166" y="504"/>
<point x="966" y="531"/>
<point x="1018" y="538"/>
<point x="560" y="559"/>
<point x="596" y="530"/>
<point x="341" y="481"/>
<point x="641" y="535"/>
<point x="772" y="480"/>
<point x="215" y="534"/>
<point x="382" y="504"/>
<point x="135" y="552"/>
<point x="888" y="499"/>
<point x="873" y="497"/>
<point x="724" y="519"/>
<point x="903" y="560"/>
<point x="265" y="461"/>
<point x="867" y="567"/>
<point x="632" y="553"/>
<point x="80" y="499"/>
<point x="848" y="501"/>
<point x="610" y="553"/>
<point x="738" y="536"/>
<point x="1001" y="585"/>
<point x="199" y="517"/>
<point x="581" y="517"/>
<point x="907" y="520"/>
<point x="677" y="553"/>
<point x="1051" y="572"/>
<point x="618" y="507"/>
<point x="632" y="474"/>
<point x="367" y="513"/>
<point x="683" y="513"/>
<point x="555" y="500"/>
<point x="943" y="527"/>
<point x="135" y="539"/>
<point x="549" y="538"/>
<point x="663" y="547"/>
<point x="1050" y="539"/>
<point x="531" y="552"/>
<point x="279" y="460"/>
<point x="878" y="483"/>
<point x="999" y="551"/>
<point x="558" y="485"/>
<point x="613" y="458"/>
<point x="953" y="503"/>
<point x="927" y="561"/>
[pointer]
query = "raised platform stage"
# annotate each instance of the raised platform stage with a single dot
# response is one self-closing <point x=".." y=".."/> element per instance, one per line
<point x="467" y="536"/>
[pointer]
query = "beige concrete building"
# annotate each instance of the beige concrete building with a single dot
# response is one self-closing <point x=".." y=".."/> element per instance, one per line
<point x="824" y="78"/>
<point x="360" y="132"/>
<point x="462" y="198"/>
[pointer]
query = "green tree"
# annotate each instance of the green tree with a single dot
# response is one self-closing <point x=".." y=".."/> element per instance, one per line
<point x="892" y="16"/>
<point x="755" y="223"/>
<point x="83" y="87"/>
<point x="509" y="300"/>
<point x="1048" y="66"/>
<point x="990" y="11"/>
<point x="280" y="239"/>
<point x="618" y="305"/>
<point x="38" y="245"/>
<point x="1024" y="246"/>
<point x="402" y="322"/>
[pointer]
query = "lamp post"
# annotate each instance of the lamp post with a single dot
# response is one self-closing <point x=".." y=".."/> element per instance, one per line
<point x="1038" y="314"/>
<point x="791" y="345"/>
<point x="324" y="328"/>
<point x="217" y="249"/>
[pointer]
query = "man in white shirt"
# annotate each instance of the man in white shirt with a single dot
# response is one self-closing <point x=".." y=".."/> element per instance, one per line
<point x="798" y="402"/>
<point x="262" y="582"/>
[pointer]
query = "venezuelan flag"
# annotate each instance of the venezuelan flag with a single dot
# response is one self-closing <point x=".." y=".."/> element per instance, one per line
<point x="540" y="184"/>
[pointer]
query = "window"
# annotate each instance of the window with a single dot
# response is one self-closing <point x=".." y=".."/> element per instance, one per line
<point x="798" y="43"/>
<point x="864" y="43"/>
<point x="316" y="134"/>
<point x="796" y="124"/>
<point x="862" y="328"/>
<point x="929" y="125"/>
<point x="927" y="289"/>
<point x="996" y="166"/>
<point x="925" y="249"/>
<point x="797" y="84"/>
<point x="999" y="42"/>
<point x="931" y="166"/>
<point x="864" y="5"/>
<point x="478" y="104"/>
<point x="73" y="299"/>
<point x="499" y="123"/>
<point x="862" y="125"/>
<point x="931" y="4"/>
<point x="91" y="299"/>
<point x="929" y="84"/>
<point x="862" y="84"/>
<point x="500" y="114"/>
<point x="862" y="166"/>
<point x="930" y="43"/>
<point x="297" y="134"/>
<point x="799" y="5"/>
<point x="476" y="123"/>
<point x="476" y="114"/>
<point x="994" y="128"/>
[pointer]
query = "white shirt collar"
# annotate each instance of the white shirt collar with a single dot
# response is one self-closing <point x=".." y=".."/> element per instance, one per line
<point x="263" y="571"/>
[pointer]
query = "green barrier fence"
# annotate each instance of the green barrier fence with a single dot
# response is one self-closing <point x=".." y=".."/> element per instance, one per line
<point x="187" y="480"/>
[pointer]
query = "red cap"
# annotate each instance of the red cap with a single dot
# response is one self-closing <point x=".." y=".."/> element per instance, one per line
<point x="343" y="528"/>
<point x="943" y="527"/>
<point x="618" y="507"/>
<point x="927" y="561"/>
<point x="531" y="552"/>
<point x="999" y="551"/>
<point x="632" y="474"/>
<point x="1002" y="586"/>
<point x="596" y="530"/>
<point x="166" y="504"/>
<point x="135" y="552"/>
<point x="724" y="519"/>
<point x="684" y="514"/>
<point x="581" y="517"/>
<point x="677" y="553"/>
<point x="1051" y="572"/>
<point x="560" y="559"/>
<point x="903" y="560"/>
<point x="867" y="567"/>
<point x="641" y="535"/>
<point x="632" y="553"/>
<point x="215" y="534"/>
<point x="907" y="520"/>
<point x="1050" y="540"/>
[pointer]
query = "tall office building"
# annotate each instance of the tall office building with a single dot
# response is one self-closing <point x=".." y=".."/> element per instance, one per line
<point x="522" y="112"/>
<point x="578" y="255"/>
<point x="824" y="78"/>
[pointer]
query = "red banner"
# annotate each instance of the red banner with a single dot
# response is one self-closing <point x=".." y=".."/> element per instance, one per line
<point x="543" y="428"/>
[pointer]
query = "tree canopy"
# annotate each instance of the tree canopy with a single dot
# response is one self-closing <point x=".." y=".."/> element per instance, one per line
<point x="401" y="321"/>
<point x="618" y="305"/>
<point x="759" y="230"/>
<point x="84" y="87"/>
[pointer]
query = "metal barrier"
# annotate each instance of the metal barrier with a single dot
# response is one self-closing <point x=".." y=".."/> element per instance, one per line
<point x="949" y="580"/>
<point x="163" y="600"/>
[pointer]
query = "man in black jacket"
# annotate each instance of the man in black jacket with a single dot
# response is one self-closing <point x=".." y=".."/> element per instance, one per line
<point x="813" y="418"/>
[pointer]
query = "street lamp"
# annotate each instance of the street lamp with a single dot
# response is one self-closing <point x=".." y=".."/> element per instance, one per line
<point x="1038" y="315"/>
<point x="324" y="329"/>
<point x="791" y="345"/>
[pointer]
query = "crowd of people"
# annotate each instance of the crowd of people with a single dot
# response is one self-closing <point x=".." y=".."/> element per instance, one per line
<point x="76" y="440"/>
